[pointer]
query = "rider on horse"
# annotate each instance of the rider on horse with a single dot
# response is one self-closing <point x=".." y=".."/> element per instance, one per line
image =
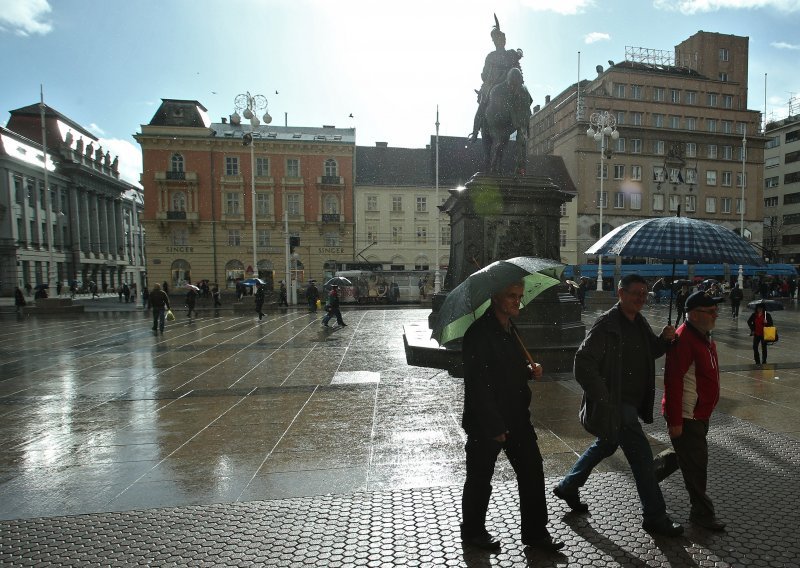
<point x="495" y="70"/>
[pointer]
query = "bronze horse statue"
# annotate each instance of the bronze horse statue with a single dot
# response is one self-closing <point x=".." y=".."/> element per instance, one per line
<point x="508" y="111"/>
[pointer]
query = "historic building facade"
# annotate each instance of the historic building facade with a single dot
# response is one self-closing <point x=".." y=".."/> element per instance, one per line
<point x="681" y="119"/>
<point x="782" y="190"/>
<point x="200" y="198"/>
<point x="87" y="229"/>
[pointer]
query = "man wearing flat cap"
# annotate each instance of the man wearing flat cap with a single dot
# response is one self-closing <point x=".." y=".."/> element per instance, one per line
<point x="691" y="391"/>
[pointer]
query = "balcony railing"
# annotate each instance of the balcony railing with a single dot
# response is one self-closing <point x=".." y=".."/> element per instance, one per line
<point x="176" y="175"/>
<point x="330" y="217"/>
<point x="331" y="180"/>
<point x="176" y="215"/>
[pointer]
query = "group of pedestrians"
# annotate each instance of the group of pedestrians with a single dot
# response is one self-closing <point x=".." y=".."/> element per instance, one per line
<point x="615" y="366"/>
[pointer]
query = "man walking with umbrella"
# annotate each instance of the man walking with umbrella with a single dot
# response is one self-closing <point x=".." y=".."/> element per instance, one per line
<point x="615" y="365"/>
<point x="497" y="417"/>
<point x="332" y="308"/>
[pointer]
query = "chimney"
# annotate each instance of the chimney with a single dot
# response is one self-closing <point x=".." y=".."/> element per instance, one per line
<point x="328" y="126"/>
<point x="546" y="99"/>
<point x="536" y="109"/>
<point x="381" y="144"/>
<point x="224" y="120"/>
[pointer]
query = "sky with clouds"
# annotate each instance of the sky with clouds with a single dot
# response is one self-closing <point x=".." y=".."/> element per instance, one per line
<point x="107" y="63"/>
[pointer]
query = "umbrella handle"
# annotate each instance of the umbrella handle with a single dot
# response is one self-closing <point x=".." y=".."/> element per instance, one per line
<point x="524" y="349"/>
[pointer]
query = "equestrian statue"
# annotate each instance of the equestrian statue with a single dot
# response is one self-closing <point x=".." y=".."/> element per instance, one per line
<point x="504" y="105"/>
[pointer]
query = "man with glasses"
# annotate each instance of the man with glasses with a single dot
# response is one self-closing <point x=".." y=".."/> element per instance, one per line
<point x="691" y="391"/>
<point x="615" y="365"/>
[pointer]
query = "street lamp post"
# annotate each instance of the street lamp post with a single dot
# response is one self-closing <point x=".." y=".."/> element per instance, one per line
<point x="602" y="126"/>
<point x="437" y="277"/>
<point x="740" y="278"/>
<point x="250" y="105"/>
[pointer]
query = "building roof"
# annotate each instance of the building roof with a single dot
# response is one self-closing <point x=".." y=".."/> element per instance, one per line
<point x="459" y="160"/>
<point x="285" y="133"/>
<point x="50" y="112"/>
<point x="179" y="112"/>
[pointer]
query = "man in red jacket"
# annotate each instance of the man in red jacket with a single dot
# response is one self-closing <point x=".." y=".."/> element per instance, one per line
<point x="691" y="391"/>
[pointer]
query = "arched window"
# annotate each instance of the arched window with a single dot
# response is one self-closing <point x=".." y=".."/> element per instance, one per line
<point x="331" y="168"/>
<point x="178" y="201"/>
<point x="331" y="205"/>
<point x="234" y="270"/>
<point x="266" y="271"/>
<point x="181" y="272"/>
<point x="177" y="163"/>
<point x="421" y="263"/>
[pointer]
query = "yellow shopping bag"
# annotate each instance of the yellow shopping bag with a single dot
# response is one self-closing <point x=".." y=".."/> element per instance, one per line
<point x="170" y="315"/>
<point x="319" y="303"/>
<point x="770" y="333"/>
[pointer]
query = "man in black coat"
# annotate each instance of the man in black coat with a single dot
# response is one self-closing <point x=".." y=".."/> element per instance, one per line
<point x="496" y="417"/>
<point x="615" y="365"/>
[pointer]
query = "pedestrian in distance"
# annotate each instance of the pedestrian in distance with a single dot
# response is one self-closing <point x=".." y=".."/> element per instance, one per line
<point x="680" y="303"/>
<point x="283" y="297"/>
<point x="215" y="295"/>
<point x="19" y="299"/>
<point x="736" y="297"/>
<point x="497" y="417"/>
<point x="332" y="308"/>
<point x="312" y="296"/>
<point x="191" y="302"/>
<point x="145" y="297"/>
<point x="159" y="302"/>
<point x="259" y="297"/>
<point x="691" y="391"/>
<point x="756" y="322"/>
<point x="28" y="288"/>
<point x="615" y="366"/>
<point x="59" y="287"/>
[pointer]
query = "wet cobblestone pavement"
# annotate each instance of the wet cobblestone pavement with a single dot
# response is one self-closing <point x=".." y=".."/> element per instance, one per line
<point x="229" y="441"/>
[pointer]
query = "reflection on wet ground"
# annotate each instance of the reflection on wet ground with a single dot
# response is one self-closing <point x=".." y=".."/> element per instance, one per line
<point x="99" y="414"/>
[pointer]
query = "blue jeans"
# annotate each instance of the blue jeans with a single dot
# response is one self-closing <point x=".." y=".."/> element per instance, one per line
<point x="640" y="457"/>
<point x="159" y="317"/>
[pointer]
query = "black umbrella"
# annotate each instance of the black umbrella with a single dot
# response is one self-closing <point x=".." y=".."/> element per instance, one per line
<point x="768" y="305"/>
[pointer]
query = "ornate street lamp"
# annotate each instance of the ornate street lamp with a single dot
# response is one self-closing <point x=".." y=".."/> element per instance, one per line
<point x="250" y="106"/>
<point x="602" y="125"/>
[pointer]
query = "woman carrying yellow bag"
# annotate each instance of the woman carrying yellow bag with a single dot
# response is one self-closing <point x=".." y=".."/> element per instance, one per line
<point x="760" y="323"/>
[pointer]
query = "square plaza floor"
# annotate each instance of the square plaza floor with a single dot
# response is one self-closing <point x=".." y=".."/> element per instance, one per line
<point x="234" y="441"/>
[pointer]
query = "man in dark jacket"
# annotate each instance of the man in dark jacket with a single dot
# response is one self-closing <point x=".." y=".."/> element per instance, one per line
<point x="615" y="365"/>
<point x="312" y="295"/>
<point x="496" y="416"/>
<point x="259" y="297"/>
<point x="332" y="308"/>
<point x="159" y="301"/>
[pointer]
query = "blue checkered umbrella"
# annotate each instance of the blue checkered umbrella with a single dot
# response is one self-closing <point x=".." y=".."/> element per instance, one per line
<point x="677" y="238"/>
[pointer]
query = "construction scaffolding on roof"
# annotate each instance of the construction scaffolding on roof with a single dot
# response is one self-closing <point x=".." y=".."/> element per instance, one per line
<point x="658" y="57"/>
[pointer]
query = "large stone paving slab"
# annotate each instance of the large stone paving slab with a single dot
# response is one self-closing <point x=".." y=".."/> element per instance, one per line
<point x="754" y="482"/>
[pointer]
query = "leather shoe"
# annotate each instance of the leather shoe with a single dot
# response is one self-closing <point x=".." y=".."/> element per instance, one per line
<point x="545" y="544"/>
<point x="711" y="523"/>
<point x="572" y="498"/>
<point x="665" y="527"/>
<point x="483" y="541"/>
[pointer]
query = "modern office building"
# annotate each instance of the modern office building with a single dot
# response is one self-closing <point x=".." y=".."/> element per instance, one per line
<point x="204" y="180"/>
<point x="86" y="228"/>
<point x="685" y="139"/>
<point x="782" y="189"/>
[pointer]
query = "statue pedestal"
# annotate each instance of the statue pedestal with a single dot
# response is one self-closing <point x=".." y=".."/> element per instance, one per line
<point x="495" y="218"/>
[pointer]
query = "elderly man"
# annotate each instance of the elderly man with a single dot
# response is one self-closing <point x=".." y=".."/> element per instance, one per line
<point x="615" y="365"/>
<point x="691" y="391"/>
<point x="496" y="417"/>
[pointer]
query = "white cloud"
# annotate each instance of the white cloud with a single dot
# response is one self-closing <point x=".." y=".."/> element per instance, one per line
<point x="784" y="45"/>
<point x="94" y="129"/>
<point x="25" y="17"/>
<point x="691" y="7"/>
<point x="130" y="158"/>
<point x="595" y="37"/>
<point x="564" y="7"/>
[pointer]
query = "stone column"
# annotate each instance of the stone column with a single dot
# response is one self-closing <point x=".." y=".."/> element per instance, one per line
<point x="102" y="215"/>
<point x="119" y="230"/>
<point x="94" y="227"/>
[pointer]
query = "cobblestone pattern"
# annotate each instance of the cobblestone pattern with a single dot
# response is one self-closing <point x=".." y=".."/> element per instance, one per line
<point x="754" y="482"/>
